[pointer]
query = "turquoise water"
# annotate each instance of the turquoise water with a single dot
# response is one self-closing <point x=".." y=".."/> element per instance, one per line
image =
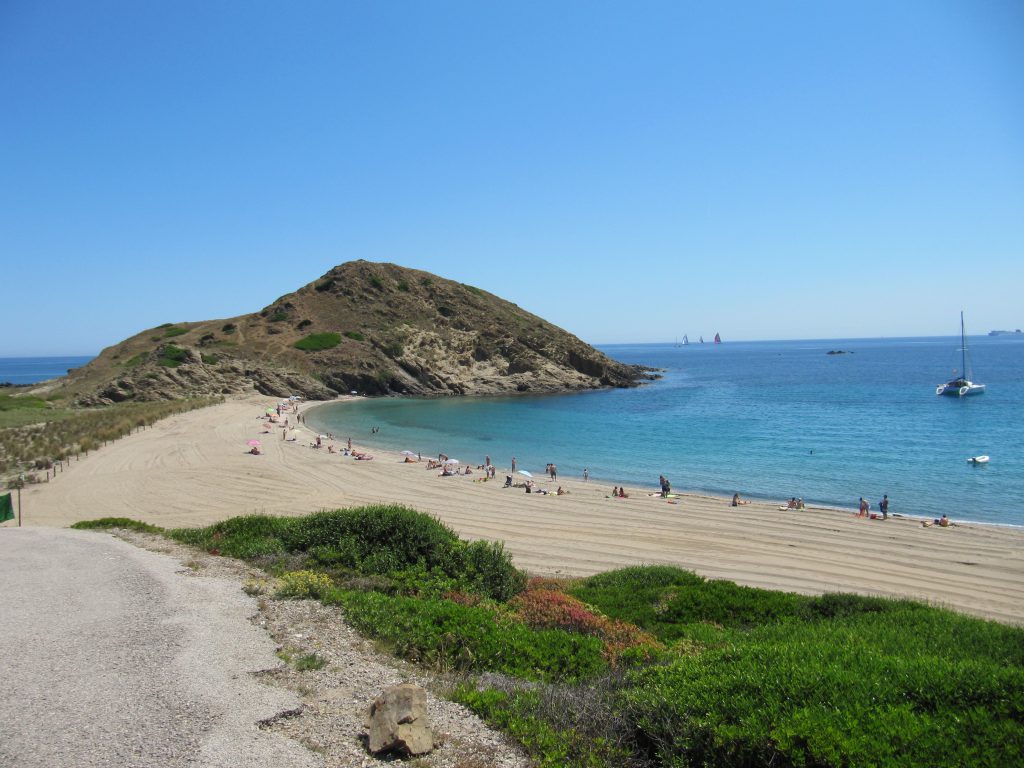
<point x="29" y="370"/>
<point x="768" y="419"/>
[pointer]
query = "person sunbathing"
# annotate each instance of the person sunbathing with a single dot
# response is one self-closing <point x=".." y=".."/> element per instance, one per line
<point x="622" y="493"/>
<point x="736" y="500"/>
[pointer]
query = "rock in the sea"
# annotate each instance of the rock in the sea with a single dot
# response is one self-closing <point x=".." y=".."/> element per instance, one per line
<point x="397" y="722"/>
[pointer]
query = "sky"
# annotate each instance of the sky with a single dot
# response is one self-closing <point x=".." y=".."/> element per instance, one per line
<point x="631" y="172"/>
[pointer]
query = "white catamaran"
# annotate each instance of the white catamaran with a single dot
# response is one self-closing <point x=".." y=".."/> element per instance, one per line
<point x="961" y="386"/>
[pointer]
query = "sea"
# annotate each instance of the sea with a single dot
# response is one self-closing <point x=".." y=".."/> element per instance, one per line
<point x="31" y="370"/>
<point x="767" y="419"/>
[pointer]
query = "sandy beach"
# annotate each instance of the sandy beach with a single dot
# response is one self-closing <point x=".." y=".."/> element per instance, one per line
<point x="193" y="469"/>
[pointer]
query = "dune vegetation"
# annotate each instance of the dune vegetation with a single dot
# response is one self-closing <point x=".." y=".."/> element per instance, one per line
<point x="35" y="435"/>
<point x="653" y="666"/>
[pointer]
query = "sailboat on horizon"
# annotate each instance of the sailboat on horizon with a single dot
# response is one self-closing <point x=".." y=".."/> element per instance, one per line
<point x="961" y="386"/>
<point x="718" y="339"/>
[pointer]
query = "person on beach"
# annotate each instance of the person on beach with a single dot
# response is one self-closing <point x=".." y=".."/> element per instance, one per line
<point x="513" y="465"/>
<point x="883" y="507"/>
<point x="864" y="507"/>
<point x="622" y="492"/>
<point x="487" y="461"/>
<point x="554" y="472"/>
<point x="615" y="492"/>
<point x="736" y="501"/>
<point x="508" y="481"/>
<point x="666" y="487"/>
<point x="586" y="474"/>
<point x="942" y="522"/>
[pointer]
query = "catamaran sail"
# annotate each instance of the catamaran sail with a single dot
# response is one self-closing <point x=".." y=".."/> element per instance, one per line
<point x="961" y="386"/>
<point x="718" y="339"/>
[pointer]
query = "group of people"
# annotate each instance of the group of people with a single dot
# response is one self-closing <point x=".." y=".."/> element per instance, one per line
<point x="864" y="509"/>
<point x="666" y="486"/>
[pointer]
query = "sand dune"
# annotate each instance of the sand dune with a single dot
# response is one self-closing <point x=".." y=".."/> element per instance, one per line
<point x="193" y="469"/>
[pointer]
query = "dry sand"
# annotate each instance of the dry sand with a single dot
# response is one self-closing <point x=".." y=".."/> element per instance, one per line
<point x="193" y="469"/>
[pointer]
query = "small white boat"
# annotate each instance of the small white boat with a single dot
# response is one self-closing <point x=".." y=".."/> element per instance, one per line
<point x="961" y="386"/>
<point x="978" y="460"/>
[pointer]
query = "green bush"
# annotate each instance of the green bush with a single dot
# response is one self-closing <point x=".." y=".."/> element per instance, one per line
<point x="318" y="341"/>
<point x="355" y="335"/>
<point x="210" y="359"/>
<point x="303" y="324"/>
<point x="303" y="584"/>
<point x="376" y="282"/>
<point x="447" y="635"/>
<point x="117" y="522"/>
<point x="384" y="540"/>
<point x="550" y="745"/>
<point x="171" y="356"/>
<point x="279" y="316"/>
<point x="908" y="686"/>
<point x="174" y="331"/>
<point x="228" y="328"/>
<point x="403" y="285"/>
<point x="136" y="360"/>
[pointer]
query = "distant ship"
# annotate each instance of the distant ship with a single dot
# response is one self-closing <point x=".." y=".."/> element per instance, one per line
<point x="1003" y="333"/>
<point x="718" y="339"/>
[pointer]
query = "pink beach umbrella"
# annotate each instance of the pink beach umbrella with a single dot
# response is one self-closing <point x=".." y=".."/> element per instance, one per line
<point x="253" y="442"/>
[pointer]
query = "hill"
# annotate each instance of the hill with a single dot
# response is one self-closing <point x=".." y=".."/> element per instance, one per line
<point x="371" y="328"/>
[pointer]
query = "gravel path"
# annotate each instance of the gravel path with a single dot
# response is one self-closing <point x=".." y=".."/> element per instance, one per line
<point x="151" y="655"/>
<point x="111" y="658"/>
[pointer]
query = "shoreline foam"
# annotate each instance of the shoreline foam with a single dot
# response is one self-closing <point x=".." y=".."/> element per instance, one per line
<point x="193" y="469"/>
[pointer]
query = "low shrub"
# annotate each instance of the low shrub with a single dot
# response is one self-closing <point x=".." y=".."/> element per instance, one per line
<point x="171" y="356"/>
<point x="228" y="328"/>
<point x="523" y="715"/>
<point x="117" y="522"/>
<point x="316" y="342"/>
<point x="303" y="585"/>
<point x="355" y="336"/>
<point x="175" y="330"/>
<point x="545" y="608"/>
<point x="446" y="635"/>
<point x="385" y="540"/>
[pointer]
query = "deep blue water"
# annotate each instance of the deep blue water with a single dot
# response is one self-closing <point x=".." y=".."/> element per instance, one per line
<point x="29" y="370"/>
<point x="767" y="419"/>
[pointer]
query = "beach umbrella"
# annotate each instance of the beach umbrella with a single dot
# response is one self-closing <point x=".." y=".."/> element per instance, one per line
<point x="253" y="442"/>
<point x="409" y="453"/>
<point x="451" y="461"/>
<point x="524" y="472"/>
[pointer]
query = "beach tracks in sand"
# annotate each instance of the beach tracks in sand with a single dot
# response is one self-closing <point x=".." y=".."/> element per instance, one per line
<point x="194" y="469"/>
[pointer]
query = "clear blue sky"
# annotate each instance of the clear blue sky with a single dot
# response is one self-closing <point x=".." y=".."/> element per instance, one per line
<point x="629" y="171"/>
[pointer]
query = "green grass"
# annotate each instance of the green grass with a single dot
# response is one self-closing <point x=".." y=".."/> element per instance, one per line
<point x="11" y="403"/>
<point x="174" y="331"/>
<point x="316" y="342"/>
<point x="355" y="335"/>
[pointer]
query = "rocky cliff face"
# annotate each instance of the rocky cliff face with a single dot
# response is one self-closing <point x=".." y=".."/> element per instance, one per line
<point x="371" y="328"/>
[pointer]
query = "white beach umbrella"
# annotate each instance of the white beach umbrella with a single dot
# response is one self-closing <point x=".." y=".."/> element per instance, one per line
<point x="524" y="472"/>
<point x="409" y="453"/>
<point x="451" y="461"/>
